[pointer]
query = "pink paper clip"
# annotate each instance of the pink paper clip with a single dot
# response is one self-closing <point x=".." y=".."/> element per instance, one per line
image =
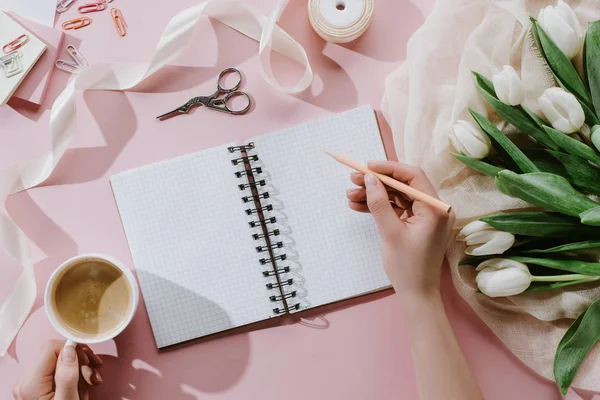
<point x="63" y="5"/>
<point x="77" y="56"/>
<point x="15" y="44"/>
<point x="92" y="7"/>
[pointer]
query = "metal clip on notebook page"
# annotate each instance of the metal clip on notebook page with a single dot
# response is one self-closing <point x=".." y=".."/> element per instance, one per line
<point x="15" y="44"/>
<point x="11" y="64"/>
<point x="92" y="7"/>
<point x="63" y="5"/>
<point x="119" y="21"/>
<point x="76" y="23"/>
<point x="79" y="62"/>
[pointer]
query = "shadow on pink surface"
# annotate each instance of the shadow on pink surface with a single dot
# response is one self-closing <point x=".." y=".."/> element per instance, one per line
<point x="46" y="234"/>
<point x="176" y="78"/>
<point x="141" y="369"/>
<point x="117" y="122"/>
<point x="207" y="365"/>
<point x="385" y="27"/>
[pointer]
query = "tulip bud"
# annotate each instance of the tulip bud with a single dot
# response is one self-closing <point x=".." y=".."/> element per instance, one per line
<point x="595" y="136"/>
<point x="562" y="25"/>
<point x="499" y="277"/>
<point x="508" y="86"/>
<point x="562" y="109"/>
<point x="483" y="239"/>
<point x="470" y="140"/>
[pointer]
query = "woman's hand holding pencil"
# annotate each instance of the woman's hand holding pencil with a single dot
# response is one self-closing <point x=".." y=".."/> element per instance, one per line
<point x="413" y="233"/>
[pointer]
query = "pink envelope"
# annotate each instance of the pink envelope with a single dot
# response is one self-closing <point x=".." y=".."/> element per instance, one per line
<point x="34" y="86"/>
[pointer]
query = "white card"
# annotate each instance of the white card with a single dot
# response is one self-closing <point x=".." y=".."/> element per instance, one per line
<point x="42" y="11"/>
<point x="29" y="54"/>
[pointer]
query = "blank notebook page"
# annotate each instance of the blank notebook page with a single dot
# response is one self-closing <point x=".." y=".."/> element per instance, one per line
<point x="191" y="245"/>
<point x="333" y="251"/>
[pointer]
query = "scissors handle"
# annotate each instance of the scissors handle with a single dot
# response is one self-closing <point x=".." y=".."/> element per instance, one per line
<point x="222" y="85"/>
<point x="224" y="103"/>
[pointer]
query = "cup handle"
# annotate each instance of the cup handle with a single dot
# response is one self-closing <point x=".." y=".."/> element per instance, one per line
<point x="71" y="343"/>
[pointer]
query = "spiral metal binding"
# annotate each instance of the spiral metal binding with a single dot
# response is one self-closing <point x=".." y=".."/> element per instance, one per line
<point x="257" y="198"/>
<point x="254" y="224"/>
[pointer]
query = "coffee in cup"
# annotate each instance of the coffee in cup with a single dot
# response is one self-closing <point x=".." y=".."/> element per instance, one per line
<point x="91" y="298"/>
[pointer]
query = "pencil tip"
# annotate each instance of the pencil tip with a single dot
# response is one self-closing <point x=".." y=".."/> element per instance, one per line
<point x="328" y="153"/>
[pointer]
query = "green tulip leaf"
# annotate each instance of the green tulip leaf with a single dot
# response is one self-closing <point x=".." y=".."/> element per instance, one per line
<point x="588" y="244"/>
<point x="575" y="345"/>
<point x="514" y="115"/>
<point x="575" y="266"/>
<point x="578" y="172"/>
<point x="501" y="140"/>
<point x="537" y="287"/>
<point x="561" y="66"/>
<point x="573" y="146"/>
<point x="549" y="191"/>
<point x="591" y="217"/>
<point x="590" y="61"/>
<point x="478" y="165"/>
<point x="540" y="224"/>
<point x="536" y="118"/>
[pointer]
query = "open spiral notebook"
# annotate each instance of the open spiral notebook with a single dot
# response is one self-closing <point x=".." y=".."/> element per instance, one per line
<point x="246" y="232"/>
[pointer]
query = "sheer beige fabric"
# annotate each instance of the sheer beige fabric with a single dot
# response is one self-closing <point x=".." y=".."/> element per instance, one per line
<point x="423" y="99"/>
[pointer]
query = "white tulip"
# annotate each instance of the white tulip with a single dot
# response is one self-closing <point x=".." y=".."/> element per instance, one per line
<point x="470" y="140"/>
<point x="562" y="25"/>
<point x="499" y="277"/>
<point x="483" y="239"/>
<point x="508" y="86"/>
<point x="562" y="109"/>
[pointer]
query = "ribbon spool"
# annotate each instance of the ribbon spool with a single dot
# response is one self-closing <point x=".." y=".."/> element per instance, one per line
<point x="340" y="21"/>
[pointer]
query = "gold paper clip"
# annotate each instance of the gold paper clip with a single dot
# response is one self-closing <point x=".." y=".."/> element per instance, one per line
<point x="63" y="5"/>
<point x="119" y="21"/>
<point x="92" y="7"/>
<point x="76" y="23"/>
<point x="15" y="44"/>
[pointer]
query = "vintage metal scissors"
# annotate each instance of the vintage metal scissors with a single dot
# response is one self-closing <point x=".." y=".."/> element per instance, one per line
<point x="214" y="102"/>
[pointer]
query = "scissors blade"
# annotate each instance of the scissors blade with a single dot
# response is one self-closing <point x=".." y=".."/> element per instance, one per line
<point x="184" y="109"/>
<point x="177" y="111"/>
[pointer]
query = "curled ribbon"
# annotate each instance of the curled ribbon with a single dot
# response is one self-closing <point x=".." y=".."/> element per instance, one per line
<point x="119" y="76"/>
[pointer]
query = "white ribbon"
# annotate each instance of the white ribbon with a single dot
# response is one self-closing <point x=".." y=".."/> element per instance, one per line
<point x="121" y="76"/>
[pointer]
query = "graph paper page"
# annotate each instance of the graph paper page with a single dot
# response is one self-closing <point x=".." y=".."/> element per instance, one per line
<point x="333" y="252"/>
<point x="192" y="246"/>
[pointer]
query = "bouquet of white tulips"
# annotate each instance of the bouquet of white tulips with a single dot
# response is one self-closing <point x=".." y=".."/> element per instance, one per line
<point x="557" y="171"/>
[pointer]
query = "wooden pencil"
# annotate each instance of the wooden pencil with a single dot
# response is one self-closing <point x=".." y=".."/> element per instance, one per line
<point x="394" y="184"/>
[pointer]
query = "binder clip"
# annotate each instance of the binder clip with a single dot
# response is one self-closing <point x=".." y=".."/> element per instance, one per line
<point x="79" y="62"/>
<point x="15" y="44"/>
<point x="11" y="64"/>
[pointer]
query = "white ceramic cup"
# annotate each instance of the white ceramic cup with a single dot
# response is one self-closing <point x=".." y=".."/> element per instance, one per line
<point x="73" y="339"/>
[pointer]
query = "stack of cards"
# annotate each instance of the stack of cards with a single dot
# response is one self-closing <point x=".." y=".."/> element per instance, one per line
<point x="20" y="51"/>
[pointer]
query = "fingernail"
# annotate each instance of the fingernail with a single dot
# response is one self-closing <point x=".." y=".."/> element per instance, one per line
<point x="370" y="181"/>
<point x="68" y="354"/>
<point x="97" y="377"/>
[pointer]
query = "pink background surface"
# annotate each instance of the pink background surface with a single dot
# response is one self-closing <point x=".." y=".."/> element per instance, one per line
<point x="357" y="349"/>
